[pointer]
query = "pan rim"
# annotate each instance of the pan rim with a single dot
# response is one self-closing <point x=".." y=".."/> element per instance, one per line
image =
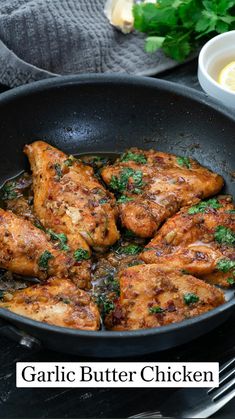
<point x="111" y="78"/>
<point x="101" y="79"/>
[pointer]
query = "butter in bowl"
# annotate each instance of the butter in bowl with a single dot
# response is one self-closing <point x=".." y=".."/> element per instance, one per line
<point x="216" y="68"/>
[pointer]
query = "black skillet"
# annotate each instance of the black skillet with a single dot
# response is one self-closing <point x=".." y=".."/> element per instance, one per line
<point x="97" y="114"/>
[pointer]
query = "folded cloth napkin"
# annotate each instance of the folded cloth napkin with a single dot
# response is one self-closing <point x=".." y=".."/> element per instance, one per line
<point x="46" y="38"/>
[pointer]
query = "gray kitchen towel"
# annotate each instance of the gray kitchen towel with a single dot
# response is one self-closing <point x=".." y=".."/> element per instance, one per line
<point x="46" y="38"/>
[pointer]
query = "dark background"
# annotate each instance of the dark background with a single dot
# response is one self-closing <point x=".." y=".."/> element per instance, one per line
<point x="218" y="345"/>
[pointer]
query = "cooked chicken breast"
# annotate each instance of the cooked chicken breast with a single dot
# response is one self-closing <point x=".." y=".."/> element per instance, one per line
<point x="58" y="302"/>
<point x="199" y="240"/>
<point x="153" y="186"/>
<point x="26" y="250"/>
<point x="151" y="297"/>
<point x="69" y="199"/>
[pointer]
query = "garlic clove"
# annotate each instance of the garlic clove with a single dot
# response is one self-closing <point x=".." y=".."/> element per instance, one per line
<point x="119" y="13"/>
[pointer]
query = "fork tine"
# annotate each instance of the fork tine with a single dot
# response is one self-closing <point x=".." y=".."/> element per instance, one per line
<point x="146" y="415"/>
<point x="230" y="373"/>
<point x="224" y="374"/>
<point x="225" y="366"/>
<point x="221" y="390"/>
<point x="224" y="400"/>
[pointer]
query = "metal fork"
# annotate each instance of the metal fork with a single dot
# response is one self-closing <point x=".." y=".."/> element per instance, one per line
<point x="196" y="402"/>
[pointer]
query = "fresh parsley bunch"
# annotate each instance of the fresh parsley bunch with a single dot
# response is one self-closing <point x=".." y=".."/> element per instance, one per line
<point x="180" y="26"/>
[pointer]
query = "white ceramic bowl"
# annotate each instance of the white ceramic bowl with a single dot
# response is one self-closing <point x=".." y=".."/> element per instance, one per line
<point x="214" y="56"/>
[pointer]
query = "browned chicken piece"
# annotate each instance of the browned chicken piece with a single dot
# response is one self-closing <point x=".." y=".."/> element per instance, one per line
<point x="58" y="302"/>
<point x="69" y="199"/>
<point x="199" y="240"/>
<point x="27" y="251"/>
<point x="155" y="185"/>
<point x="151" y="297"/>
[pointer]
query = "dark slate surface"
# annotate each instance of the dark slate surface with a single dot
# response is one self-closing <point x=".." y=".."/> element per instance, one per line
<point x="107" y="403"/>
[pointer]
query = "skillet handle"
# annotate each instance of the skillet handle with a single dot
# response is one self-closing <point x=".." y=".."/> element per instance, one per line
<point x="19" y="336"/>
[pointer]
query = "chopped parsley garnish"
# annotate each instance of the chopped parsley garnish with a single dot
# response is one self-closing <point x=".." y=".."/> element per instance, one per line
<point x="230" y="281"/>
<point x="39" y="225"/>
<point x="8" y="191"/>
<point x="61" y="238"/>
<point x="225" y="265"/>
<point x="65" y="300"/>
<point x="58" y="171"/>
<point x="104" y="303"/>
<point x="69" y="162"/>
<point x="184" y="161"/>
<point x="120" y="183"/>
<point x="103" y="201"/>
<point x="190" y="298"/>
<point x="112" y="284"/>
<point x="155" y="310"/>
<point x="204" y="206"/>
<point x="124" y="199"/>
<point x="131" y="249"/>
<point x="1" y="294"/>
<point x="81" y="254"/>
<point x="231" y="211"/>
<point x="44" y="259"/>
<point x="225" y="235"/>
<point x="136" y="157"/>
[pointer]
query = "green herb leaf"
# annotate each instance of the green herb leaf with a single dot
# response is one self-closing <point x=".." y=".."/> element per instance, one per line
<point x="204" y="206"/>
<point x="136" y="157"/>
<point x="190" y="298"/>
<point x="231" y="281"/>
<point x="61" y="238"/>
<point x="231" y="211"/>
<point x="178" y="26"/>
<point x="120" y="183"/>
<point x="65" y="300"/>
<point x="44" y="259"/>
<point x="124" y="199"/>
<point x="103" y="201"/>
<point x="81" y="254"/>
<point x="1" y="294"/>
<point x="104" y="303"/>
<point x="184" y="161"/>
<point x="155" y="310"/>
<point x="58" y="171"/>
<point x="224" y="235"/>
<point x="154" y="43"/>
<point x="112" y="284"/>
<point x="8" y="191"/>
<point x="69" y="162"/>
<point x="131" y="249"/>
<point x="225" y="265"/>
<point x="39" y="225"/>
